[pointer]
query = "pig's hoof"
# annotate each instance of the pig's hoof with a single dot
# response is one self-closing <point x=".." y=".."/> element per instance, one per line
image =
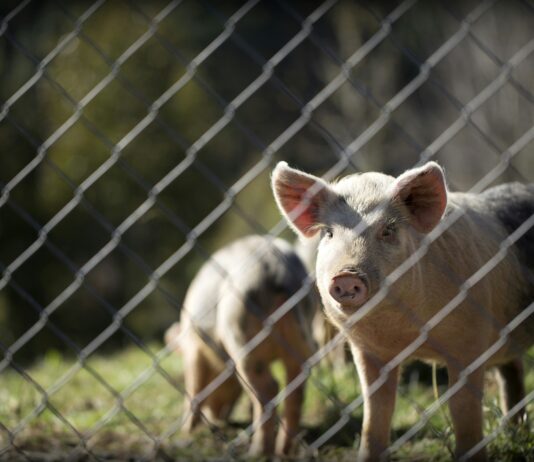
<point x="283" y="448"/>
<point x="190" y="424"/>
<point x="255" y="450"/>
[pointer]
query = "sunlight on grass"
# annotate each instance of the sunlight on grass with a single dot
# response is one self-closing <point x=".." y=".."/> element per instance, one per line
<point x="120" y="404"/>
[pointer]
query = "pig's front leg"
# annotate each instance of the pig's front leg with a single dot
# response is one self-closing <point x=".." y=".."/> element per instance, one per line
<point x="466" y="411"/>
<point x="379" y="403"/>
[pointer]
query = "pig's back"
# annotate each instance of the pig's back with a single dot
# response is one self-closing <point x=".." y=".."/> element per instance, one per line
<point x="200" y="301"/>
<point x="253" y="265"/>
<point x="513" y="204"/>
<point x="269" y="267"/>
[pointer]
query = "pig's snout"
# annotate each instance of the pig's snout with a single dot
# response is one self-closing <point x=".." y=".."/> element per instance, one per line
<point x="349" y="289"/>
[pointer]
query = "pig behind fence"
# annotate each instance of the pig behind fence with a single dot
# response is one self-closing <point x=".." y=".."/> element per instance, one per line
<point x="466" y="278"/>
<point x="226" y="306"/>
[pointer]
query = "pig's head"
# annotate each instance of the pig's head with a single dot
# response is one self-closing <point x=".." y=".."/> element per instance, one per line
<point x="369" y="224"/>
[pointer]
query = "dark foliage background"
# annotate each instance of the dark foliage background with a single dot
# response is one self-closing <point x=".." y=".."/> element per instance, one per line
<point x="86" y="130"/>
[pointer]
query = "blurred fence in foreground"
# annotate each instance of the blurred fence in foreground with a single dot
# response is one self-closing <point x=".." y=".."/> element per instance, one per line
<point x="138" y="137"/>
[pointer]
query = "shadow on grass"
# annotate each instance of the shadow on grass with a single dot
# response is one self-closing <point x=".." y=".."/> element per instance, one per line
<point x="345" y="434"/>
<point x="209" y="444"/>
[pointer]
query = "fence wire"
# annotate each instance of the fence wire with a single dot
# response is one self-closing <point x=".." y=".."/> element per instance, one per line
<point x="338" y="74"/>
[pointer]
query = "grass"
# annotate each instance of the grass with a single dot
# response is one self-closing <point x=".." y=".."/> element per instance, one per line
<point x="144" y="423"/>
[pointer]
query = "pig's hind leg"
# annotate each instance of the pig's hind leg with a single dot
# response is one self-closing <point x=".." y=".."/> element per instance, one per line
<point x="222" y="401"/>
<point x="512" y="388"/>
<point x="197" y="376"/>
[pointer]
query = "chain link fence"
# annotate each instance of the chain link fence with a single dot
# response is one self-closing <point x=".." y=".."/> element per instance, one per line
<point x="138" y="138"/>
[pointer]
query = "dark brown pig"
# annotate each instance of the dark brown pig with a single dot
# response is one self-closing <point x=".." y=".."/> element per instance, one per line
<point x="370" y="224"/>
<point x="225" y="307"/>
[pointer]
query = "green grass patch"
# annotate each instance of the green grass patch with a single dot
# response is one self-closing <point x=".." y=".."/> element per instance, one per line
<point x="123" y="406"/>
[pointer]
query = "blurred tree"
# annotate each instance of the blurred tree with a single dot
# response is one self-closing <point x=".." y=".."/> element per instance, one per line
<point x="81" y="83"/>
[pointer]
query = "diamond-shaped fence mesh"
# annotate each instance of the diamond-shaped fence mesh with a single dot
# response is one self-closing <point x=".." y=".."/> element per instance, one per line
<point x="138" y="139"/>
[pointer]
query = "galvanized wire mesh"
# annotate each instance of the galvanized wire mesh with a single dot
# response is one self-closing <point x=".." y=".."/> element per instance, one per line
<point x="347" y="152"/>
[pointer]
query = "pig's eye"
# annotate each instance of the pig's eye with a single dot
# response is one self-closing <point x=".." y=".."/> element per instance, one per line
<point x="389" y="231"/>
<point x="329" y="233"/>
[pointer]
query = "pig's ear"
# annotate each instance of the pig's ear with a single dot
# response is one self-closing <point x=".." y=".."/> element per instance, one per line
<point x="424" y="192"/>
<point x="300" y="197"/>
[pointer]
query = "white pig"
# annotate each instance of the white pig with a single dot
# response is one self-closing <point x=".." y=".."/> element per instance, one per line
<point x="225" y="308"/>
<point x="369" y="224"/>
